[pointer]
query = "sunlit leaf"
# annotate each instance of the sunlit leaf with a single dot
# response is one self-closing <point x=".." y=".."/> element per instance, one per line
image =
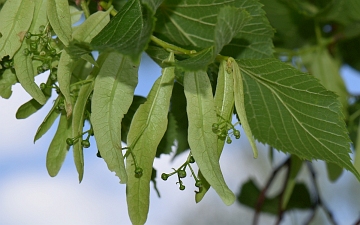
<point x="7" y="80"/>
<point x="203" y="142"/>
<point x="146" y="131"/>
<point x="112" y="97"/>
<point x="239" y="93"/>
<point x="224" y="105"/>
<point x="294" y="113"/>
<point x="58" y="12"/>
<point x="16" y="17"/>
<point x="128" y="32"/>
<point x="25" y="73"/>
<point x="49" y="120"/>
<point x="58" y="146"/>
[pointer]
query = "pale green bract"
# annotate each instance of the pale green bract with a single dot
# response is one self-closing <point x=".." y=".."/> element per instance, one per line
<point x="16" y="17"/>
<point x="240" y="102"/>
<point x="78" y="123"/>
<point x="224" y="106"/>
<point x="112" y="97"/>
<point x="58" y="146"/>
<point x="48" y="121"/>
<point x="65" y="68"/>
<point x="147" y="128"/>
<point x="8" y="79"/>
<point x="40" y="16"/>
<point x="25" y="73"/>
<point x="58" y="12"/>
<point x="294" y="113"/>
<point x="203" y="142"/>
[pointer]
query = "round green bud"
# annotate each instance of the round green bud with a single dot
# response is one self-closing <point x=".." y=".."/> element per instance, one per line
<point x="41" y="28"/>
<point x="28" y="35"/>
<point x="6" y="64"/>
<point x="237" y="134"/>
<point x="26" y="52"/>
<point x="138" y="172"/>
<point x="40" y="69"/>
<point x="42" y="86"/>
<point x="52" y="51"/>
<point x="228" y="140"/>
<point x="85" y="143"/>
<point x="98" y="154"/>
<point x="215" y="127"/>
<point x="222" y="136"/>
<point x="181" y="173"/>
<point x="45" y="66"/>
<point x="69" y="141"/>
<point x="182" y="187"/>
<point x="198" y="183"/>
<point x="164" y="176"/>
<point x="33" y="46"/>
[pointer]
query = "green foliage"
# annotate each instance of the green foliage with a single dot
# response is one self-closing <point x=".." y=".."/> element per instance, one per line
<point x="219" y="58"/>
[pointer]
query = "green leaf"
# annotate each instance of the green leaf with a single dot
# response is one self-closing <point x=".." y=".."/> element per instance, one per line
<point x="203" y="142"/>
<point x="58" y="146"/>
<point x="152" y="4"/>
<point x="86" y="31"/>
<point x="294" y="168"/>
<point x="128" y="32"/>
<point x="158" y="54"/>
<point x="126" y="121"/>
<point x="333" y="171"/>
<point x="300" y="198"/>
<point x="58" y="12"/>
<point x="178" y="110"/>
<point x="167" y="142"/>
<point x="146" y="131"/>
<point x="32" y="106"/>
<point x="224" y="105"/>
<point x="48" y="121"/>
<point x="25" y="73"/>
<point x="294" y="113"/>
<point x="65" y="68"/>
<point x="16" y="17"/>
<point x="327" y="69"/>
<point x="7" y="80"/>
<point x="240" y="102"/>
<point x="78" y="119"/>
<point x="40" y="16"/>
<point x="186" y="23"/>
<point x="357" y="151"/>
<point x="112" y="97"/>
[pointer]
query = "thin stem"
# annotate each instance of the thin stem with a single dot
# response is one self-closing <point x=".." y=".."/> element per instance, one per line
<point x="85" y="8"/>
<point x="171" y="47"/>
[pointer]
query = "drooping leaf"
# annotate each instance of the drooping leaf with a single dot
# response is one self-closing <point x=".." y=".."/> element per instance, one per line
<point x="128" y="32"/>
<point x="294" y="168"/>
<point x="158" y="54"/>
<point x="78" y="119"/>
<point x="126" y="121"/>
<point x="16" y="17"/>
<point x="327" y="69"/>
<point x="7" y="80"/>
<point x="187" y="24"/>
<point x="86" y="31"/>
<point x="167" y="142"/>
<point x="224" y="105"/>
<point x="300" y="198"/>
<point x="146" y="131"/>
<point x="58" y="146"/>
<point x="241" y="110"/>
<point x="198" y="61"/>
<point x="32" y="106"/>
<point x="294" y="113"/>
<point x="58" y="12"/>
<point x="178" y="110"/>
<point x="112" y="97"/>
<point x="65" y="68"/>
<point x="49" y="120"/>
<point x="333" y="171"/>
<point x="25" y="73"/>
<point x="202" y="140"/>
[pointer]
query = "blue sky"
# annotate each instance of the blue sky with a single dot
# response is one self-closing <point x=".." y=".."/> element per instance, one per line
<point x="29" y="196"/>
